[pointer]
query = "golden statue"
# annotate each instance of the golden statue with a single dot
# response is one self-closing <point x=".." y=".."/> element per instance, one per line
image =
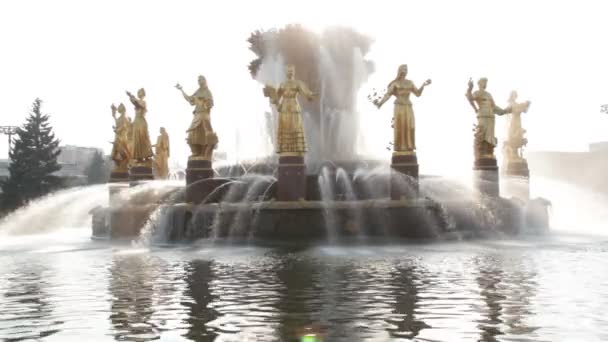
<point x="201" y="138"/>
<point x="515" y="137"/>
<point x="290" y="131"/>
<point x="142" y="149"/>
<point x="121" y="155"/>
<point x="483" y="104"/>
<point x="161" y="157"/>
<point x="129" y="137"/>
<point x="403" y="117"/>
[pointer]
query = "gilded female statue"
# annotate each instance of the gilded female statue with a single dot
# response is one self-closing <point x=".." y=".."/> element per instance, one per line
<point x="161" y="157"/>
<point x="515" y="138"/>
<point x="290" y="131"/>
<point x="142" y="149"/>
<point x="201" y="138"/>
<point x="121" y="154"/>
<point x="404" y="126"/>
<point x="485" y="108"/>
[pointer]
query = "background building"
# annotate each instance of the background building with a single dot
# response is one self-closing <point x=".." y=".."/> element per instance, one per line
<point x="73" y="160"/>
<point x="587" y="169"/>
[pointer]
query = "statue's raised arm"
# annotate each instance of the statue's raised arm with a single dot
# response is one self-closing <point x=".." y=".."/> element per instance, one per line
<point x="470" y="96"/>
<point x="418" y="91"/>
<point x="390" y="89"/>
<point x="404" y="127"/>
<point x="188" y="98"/>
<point x="201" y="137"/>
<point x="137" y="102"/>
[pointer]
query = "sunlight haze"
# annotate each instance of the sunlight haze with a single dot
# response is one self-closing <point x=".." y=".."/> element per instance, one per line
<point x="80" y="57"/>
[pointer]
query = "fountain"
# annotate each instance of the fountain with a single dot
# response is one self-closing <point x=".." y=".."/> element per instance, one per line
<point x="320" y="185"/>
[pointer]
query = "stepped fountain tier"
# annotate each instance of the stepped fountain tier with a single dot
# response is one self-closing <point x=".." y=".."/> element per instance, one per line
<point x="316" y="185"/>
<point x="340" y="201"/>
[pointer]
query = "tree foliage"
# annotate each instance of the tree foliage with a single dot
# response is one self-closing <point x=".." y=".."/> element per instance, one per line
<point x="33" y="161"/>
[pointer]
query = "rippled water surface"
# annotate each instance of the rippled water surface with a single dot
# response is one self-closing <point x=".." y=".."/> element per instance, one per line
<point x="65" y="287"/>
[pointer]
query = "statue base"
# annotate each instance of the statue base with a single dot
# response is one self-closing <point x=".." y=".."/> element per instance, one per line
<point x="140" y="172"/>
<point x="404" y="176"/>
<point x="199" y="180"/>
<point x="119" y="176"/>
<point x="292" y="178"/>
<point x="517" y="168"/>
<point x="517" y="179"/>
<point x="486" y="179"/>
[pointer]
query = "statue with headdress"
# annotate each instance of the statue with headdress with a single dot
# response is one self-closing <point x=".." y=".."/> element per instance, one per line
<point x="121" y="154"/>
<point x="485" y="108"/>
<point x="404" y="127"/>
<point x="161" y="157"/>
<point x="142" y="149"/>
<point x="290" y="131"/>
<point x="201" y="137"/>
<point x="516" y="139"/>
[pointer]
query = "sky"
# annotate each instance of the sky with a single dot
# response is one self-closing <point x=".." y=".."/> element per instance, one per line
<point x="79" y="57"/>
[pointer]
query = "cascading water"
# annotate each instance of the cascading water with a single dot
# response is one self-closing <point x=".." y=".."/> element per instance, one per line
<point x="271" y="72"/>
<point x="254" y="194"/>
<point x="345" y="186"/>
<point x="336" y="136"/>
<point x="163" y="194"/>
<point x="326" y="188"/>
<point x="59" y="210"/>
<point x="235" y="210"/>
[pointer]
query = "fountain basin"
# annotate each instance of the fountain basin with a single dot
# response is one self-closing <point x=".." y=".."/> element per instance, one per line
<point x="321" y="220"/>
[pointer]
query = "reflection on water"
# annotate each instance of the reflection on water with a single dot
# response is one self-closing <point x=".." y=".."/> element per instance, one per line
<point x="198" y="277"/>
<point x="502" y="291"/>
<point x="132" y="281"/>
<point x="25" y="310"/>
<point x="506" y="287"/>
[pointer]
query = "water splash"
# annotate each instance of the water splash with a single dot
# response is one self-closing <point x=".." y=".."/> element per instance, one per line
<point x="59" y="210"/>
<point x="573" y="208"/>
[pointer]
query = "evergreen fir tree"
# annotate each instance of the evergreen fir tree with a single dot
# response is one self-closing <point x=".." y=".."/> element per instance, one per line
<point x="33" y="161"/>
<point x="97" y="170"/>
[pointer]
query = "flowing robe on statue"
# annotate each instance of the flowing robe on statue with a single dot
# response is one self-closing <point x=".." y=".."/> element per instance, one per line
<point x="162" y="156"/>
<point x="290" y="131"/>
<point x="200" y="131"/>
<point x="516" y="131"/>
<point x="120" y="149"/>
<point x="486" y="120"/>
<point x="142" y="149"/>
<point x="404" y="124"/>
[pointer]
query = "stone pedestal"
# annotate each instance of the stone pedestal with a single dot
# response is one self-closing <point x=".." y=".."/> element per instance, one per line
<point x="119" y="176"/>
<point x="404" y="176"/>
<point x="126" y="222"/>
<point x="485" y="178"/>
<point x="199" y="173"/>
<point x="517" y="179"/>
<point x="292" y="178"/>
<point x="140" y="172"/>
